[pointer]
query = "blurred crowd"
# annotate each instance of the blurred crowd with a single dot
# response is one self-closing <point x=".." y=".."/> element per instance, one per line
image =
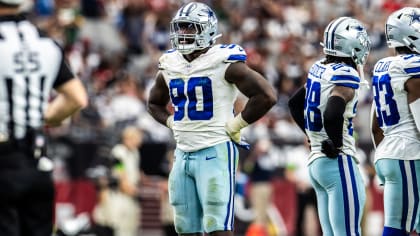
<point x="114" y="47"/>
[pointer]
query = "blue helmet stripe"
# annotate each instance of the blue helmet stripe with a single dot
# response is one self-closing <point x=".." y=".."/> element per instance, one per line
<point x="186" y="10"/>
<point x="182" y="10"/>
<point x="333" y="31"/>
<point x="192" y="5"/>
<point x="326" y="36"/>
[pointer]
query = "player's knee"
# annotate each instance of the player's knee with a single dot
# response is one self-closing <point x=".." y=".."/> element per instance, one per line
<point x="210" y="223"/>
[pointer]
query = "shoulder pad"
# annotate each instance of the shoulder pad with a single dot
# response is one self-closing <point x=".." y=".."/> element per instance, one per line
<point x="412" y="65"/>
<point x="346" y="76"/>
<point x="166" y="58"/>
<point x="231" y="52"/>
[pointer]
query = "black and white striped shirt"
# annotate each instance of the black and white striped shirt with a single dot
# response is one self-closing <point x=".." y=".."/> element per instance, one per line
<point x="31" y="65"/>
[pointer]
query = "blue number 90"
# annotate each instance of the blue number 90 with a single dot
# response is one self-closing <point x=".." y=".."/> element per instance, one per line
<point x="197" y="93"/>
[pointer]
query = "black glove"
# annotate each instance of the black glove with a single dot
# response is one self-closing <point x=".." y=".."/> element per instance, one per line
<point x="329" y="149"/>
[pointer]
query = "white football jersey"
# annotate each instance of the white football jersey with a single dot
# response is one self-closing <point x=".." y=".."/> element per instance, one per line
<point x="402" y="139"/>
<point x="322" y="78"/>
<point x="201" y="97"/>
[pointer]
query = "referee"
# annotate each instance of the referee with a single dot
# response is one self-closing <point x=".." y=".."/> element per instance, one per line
<point x="31" y="66"/>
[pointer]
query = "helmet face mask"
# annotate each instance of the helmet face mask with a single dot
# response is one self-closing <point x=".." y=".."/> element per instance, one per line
<point x="402" y="29"/>
<point x="346" y="37"/>
<point x="194" y="27"/>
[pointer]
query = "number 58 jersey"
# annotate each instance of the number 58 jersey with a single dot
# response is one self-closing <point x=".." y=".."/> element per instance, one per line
<point x="322" y="78"/>
<point x="201" y="97"/>
<point x="402" y="140"/>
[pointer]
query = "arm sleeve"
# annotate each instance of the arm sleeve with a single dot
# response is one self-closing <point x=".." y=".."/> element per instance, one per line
<point x="64" y="73"/>
<point x="334" y="120"/>
<point x="296" y="105"/>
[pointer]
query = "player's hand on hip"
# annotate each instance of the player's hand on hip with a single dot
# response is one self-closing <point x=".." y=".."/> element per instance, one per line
<point x="170" y="121"/>
<point x="234" y="126"/>
<point x="234" y="135"/>
<point x="329" y="149"/>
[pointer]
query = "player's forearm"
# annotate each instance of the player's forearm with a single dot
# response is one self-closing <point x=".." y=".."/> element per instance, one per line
<point x="377" y="132"/>
<point x="296" y="106"/>
<point x="334" y="120"/>
<point x="257" y="106"/>
<point x="158" y="112"/>
<point x="377" y="138"/>
<point x="61" y="108"/>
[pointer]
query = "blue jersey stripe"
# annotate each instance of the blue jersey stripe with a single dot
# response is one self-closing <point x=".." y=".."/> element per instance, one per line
<point x="345" y="194"/>
<point x="412" y="70"/>
<point x="405" y="194"/>
<point x="355" y="196"/>
<point x="190" y="8"/>
<point x="345" y="77"/>
<point x="237" y="57"/>
<point x="181" y="11"/>
<point x="326" y="37"/>
<point x="350" y="85"/>
<point x="416" y="192"/>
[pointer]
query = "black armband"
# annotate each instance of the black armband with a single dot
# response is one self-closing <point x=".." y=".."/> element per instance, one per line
<point x="334" y="120"/>
<point x="296" y="106"/>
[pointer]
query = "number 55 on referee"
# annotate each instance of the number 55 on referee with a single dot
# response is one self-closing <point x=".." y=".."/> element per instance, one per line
<point x="31" y="66"/>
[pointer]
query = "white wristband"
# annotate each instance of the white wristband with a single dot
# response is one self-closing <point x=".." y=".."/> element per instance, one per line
<point x="170" y="121"/>
<point x="237" y="123"/>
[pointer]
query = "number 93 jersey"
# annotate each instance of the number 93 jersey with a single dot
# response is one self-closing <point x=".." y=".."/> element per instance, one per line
<point x="201" y="97"/>
<point x="322" y="78"/>
<point x="402" y="140"/>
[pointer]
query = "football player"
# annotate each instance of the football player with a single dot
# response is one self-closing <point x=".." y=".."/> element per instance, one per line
<point x="396" y="123"/>
<point x="202" y="79"/>
<point x="324" y="109"/>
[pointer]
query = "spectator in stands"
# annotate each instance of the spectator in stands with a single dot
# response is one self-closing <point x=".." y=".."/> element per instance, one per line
<point x="166" y="211"/>
<point x="297" y="172"/>
<point x="260" y="165"/>
<point x="119" y="207"/>
<point x="283" y="31"/>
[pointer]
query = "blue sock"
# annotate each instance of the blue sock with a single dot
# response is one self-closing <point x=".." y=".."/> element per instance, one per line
<point x="388" y="231"/>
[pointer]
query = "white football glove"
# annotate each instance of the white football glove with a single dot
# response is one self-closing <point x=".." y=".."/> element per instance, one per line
<point x="234" y="126"/>
<point x="170" y="121"/>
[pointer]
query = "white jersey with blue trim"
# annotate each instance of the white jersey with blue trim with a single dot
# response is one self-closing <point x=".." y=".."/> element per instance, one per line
<point x="322" y="78"/>
<point x="402" y="139"/>
<point x="202" y="99"/>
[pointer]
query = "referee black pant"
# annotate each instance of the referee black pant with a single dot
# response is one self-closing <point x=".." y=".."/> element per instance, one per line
<point x="26" y="194"/>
